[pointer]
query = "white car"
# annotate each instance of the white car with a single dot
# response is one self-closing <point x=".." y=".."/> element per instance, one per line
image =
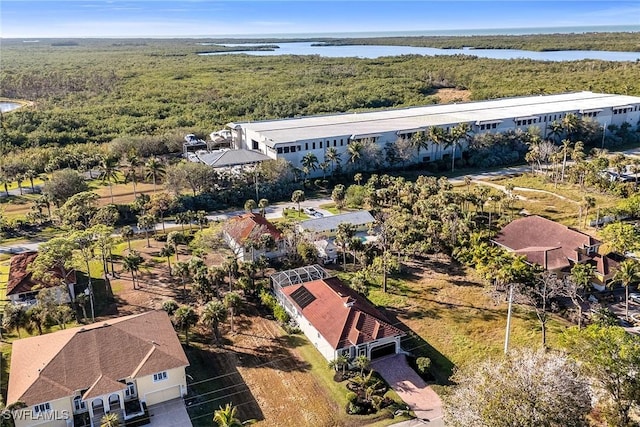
<point x="635" y="297"/>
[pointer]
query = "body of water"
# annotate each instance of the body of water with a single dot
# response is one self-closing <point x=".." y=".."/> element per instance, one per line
<point x="364" y="51"/>
<point x="9" y="106"/>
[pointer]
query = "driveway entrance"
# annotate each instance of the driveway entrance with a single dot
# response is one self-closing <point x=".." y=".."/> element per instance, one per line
<point x="412" y="389"/>
<point x="172" y="413"/>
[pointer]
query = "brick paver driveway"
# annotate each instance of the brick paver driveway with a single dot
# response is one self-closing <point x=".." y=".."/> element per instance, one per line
<point x="422" y="400"/>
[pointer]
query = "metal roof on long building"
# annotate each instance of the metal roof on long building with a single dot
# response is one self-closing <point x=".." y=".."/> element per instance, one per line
<point x="415" y="118"/>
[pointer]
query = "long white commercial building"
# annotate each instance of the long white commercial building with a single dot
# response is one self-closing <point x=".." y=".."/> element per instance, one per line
<point x="292" y="138"/>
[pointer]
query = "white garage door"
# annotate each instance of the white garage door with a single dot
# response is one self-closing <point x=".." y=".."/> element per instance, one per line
<point x="162" y="395"/>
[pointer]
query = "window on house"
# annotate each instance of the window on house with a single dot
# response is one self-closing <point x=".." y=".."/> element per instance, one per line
<point x="254" y="144"/>
<point x="79" y="404"/>
<point x="130" y="390"/>
<point x="160" y="376"/>
<point x="43" y="407"/>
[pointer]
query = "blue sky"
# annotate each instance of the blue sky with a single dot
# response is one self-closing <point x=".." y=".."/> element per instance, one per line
<point x="116" y="18"/>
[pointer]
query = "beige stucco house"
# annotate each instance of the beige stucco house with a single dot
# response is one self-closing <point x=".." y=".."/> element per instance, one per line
<point x="74" y="376"/>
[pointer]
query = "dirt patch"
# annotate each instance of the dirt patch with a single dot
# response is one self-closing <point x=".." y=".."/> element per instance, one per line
<point x="451" y="95"/>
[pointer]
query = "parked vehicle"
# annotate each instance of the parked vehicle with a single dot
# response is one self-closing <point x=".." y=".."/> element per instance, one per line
<point x="635" y="297"/>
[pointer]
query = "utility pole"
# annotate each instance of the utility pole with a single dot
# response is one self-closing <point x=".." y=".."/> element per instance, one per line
<point x="506" y="337"/>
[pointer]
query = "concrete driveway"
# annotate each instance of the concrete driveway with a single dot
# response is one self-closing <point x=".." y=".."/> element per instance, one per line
<point x="172" y="413"/>
<point x="412" y="389"/>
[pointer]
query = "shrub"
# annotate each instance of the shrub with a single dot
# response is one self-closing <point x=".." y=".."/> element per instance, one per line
<point x="280" y="314"/>
<point x="423" y="364"/>
<point x="170" y="306"/>
<point x="351" y="397"/>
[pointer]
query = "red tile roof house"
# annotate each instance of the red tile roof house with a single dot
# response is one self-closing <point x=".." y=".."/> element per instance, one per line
<point x="335" y="318"/>
<point x="556" y="247"/>
<point x="22" y="288"/>
<point x="243" y="231"/>
<point x="111" y="366"/>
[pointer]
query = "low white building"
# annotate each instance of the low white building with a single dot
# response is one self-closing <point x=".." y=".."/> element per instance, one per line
<point x="327" y="226"/>
<point x="293" y="138"/>
<point x="335" y="318"/>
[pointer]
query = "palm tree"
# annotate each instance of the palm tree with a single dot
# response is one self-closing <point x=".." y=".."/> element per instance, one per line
<point x="146" y="222"/>
<point x="226" y="417"/>
<point x="182" y="270"/>
<point x="184" y="318"/>
<point x="438" y="137"/>
<point x="154" y="170"/>
<point x="110" y="420"/>
<point x="345" y="233"/>
<point x="131" y="263"/>
<point x="570" y="125"/>
<point x="333" y="156"/>
<point x="109" y="171"/>
<point x="168" y="251"/>
<point x="214" y="313"/>
<point x="355" y="150"/>
<point x="232" y="301"/>
<point x="566" y="149"/>
<point x="362" y="362"/>
<point x="298" y="197"/>
<point x="127" y="233"/>
<point x="133" y="162"/>
<point x="262" y="204"/>
<point x="555" y="130"/>
<point x="310" y="162"/>
<point x="458" y="134"/>
<point x="250" y="205"/>
<point x="418" y="141"/>
<point x="201" y="219"/>
<point x="31" y="175"/>
<point x="628" y="273"/>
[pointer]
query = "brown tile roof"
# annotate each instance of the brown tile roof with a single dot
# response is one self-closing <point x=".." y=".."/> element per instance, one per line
<point x="250" y="225"/>
<point x="94" y="357"/>
<point x="544" y="242"/>
<point x="342" y="316"/>
<point x="21" y="280"/>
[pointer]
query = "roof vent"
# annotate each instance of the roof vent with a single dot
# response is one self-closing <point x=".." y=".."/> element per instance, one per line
<point x="154" y="343"/>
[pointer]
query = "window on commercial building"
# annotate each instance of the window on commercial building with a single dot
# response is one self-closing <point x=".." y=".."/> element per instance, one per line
<point x="341" y="142"/>
<point x="279" y="150"/>
<point x="293" y="149"/>
<point x="306" y="146"/>
<point x="286" y="150"/>
<point x="320" y="144"/>
<point x="494" y="125"/>
<point x="254" y="144"/>
<point x="334" y="142"/>
<point x="314" y="146"/>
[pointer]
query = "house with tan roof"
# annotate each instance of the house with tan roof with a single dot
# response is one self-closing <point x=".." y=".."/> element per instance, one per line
<point x="245" y="235"/>
<point x="74" y="376"/>
<point x="22" y="287"/>
<point x="556" y="247"/>
<point x="335" y="318"/>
